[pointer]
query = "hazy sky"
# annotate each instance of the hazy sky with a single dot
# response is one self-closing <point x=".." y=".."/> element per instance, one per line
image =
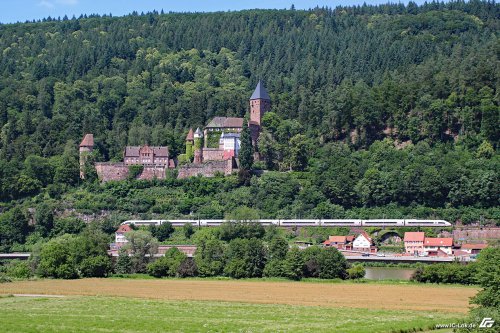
<point x="22" y="10"/>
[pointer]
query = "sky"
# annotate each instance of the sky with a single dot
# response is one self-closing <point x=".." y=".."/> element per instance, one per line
<point x="21" y="10"/>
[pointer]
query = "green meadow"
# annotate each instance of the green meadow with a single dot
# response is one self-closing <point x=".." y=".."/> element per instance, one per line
<point x="118" y="314"/>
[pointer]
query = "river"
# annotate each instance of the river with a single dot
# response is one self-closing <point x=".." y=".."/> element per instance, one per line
<point x="388" y="273"/>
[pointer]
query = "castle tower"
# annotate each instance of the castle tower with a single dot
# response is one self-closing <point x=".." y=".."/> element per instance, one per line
<point x="190" y="144"/>
<point x="198" y="146"/>
<point x="86" y="147"/>
<point x="260" y="103"/>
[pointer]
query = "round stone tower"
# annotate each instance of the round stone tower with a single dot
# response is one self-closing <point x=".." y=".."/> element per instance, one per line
<point x="86" y="147"/>
<point x="198" y="146"/>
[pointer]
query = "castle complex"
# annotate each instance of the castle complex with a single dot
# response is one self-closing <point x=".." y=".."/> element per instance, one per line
<point x="208" y="152"/>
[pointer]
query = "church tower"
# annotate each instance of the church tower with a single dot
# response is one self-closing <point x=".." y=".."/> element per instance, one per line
<point x="260" y="103"/>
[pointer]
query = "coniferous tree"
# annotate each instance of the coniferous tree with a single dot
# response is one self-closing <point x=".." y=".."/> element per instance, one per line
<point x="246" y="151"/>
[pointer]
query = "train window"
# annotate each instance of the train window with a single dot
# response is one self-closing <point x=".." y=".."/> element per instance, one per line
<point x="370" y="222"/>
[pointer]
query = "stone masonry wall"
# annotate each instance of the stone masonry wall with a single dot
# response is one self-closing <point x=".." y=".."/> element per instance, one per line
<point x="109" y="171"/>
<point x="476" y="234"/>
<point x="206" y="169"/>
<point x="213" y="154"/>
<point x="152" y="172"/>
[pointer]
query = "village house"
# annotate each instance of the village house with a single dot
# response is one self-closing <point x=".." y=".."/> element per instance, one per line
<point x="120" y="238"/>
<point x="473" y="248"/>
<point x="340" y="242"/>
<point x="438" y="246"/>
<point x="363" y="243"/>
<point x="414" y="243"/>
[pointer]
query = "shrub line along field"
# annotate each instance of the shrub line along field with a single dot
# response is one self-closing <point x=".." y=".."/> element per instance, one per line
<point x="444" y="299"/>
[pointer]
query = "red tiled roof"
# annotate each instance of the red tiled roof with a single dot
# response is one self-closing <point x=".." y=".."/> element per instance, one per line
<point x="160" y="151"/>
<point x="88" y="141"/>
<point x="337" y="239"/>
<point x="124" y="228"/>
<point x="190" y="135"/>
<point x="414" y="237"/>
<point x="226" y="122"/>
<point x="366" y="236"/>
<point x="350" y="238"/>
<point x="134" y="151"/>
<point x="474" y="246"/>
<point x="460" y="253"/>
<point x="438" y="241"/>
<point x="441" y="253"/>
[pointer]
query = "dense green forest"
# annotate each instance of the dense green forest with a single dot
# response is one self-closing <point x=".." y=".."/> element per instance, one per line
<point x="377" y="111"/>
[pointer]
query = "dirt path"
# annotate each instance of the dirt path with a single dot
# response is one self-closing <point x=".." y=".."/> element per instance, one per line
<point x="373" y="296"/>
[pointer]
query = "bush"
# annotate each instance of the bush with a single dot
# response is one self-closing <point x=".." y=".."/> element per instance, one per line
<point x="187" y="268"/>
<point x="99" y="266"/>
<point x="123" y="263"/>
<point x="167" y="265"/>
<point x="134" y="171"/>
<point x="158" y="268"/>
<point x="332" y="264"/>
<point x="274" y="268"/>
<point x="163" y="231"/>
<point x="64" y="257"/>
<point x="293" y="267"/>
<point x="19" y="270"/>
<point x="236" y="268"/>
<point x="188" y="230"/>
<point x="356" y="272"/>
<point x="4" y="278"/>
<point x="58" y="258"/>
<point x="446" y="273"/>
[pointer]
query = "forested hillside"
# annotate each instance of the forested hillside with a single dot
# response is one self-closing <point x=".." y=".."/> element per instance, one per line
<point x="372" y="106"/>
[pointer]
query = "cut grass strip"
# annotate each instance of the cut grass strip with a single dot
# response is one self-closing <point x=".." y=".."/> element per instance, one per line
<point x="111" y="314"/>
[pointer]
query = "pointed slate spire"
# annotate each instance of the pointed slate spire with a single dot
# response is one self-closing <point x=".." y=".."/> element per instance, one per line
<point x="198" y="133"/>
<point x="260" y="92"/>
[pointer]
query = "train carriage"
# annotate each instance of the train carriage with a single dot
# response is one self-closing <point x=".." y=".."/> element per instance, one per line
<point x="340" y="223"/>
<point x="299" y="223"/>
<point x="383" y="223"/>
<point x="305" y="223"/>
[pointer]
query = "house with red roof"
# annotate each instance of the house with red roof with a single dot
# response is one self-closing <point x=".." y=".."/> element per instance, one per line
<point x="473" y="248"/>
<point x="438" y="246"/>
<point x="120" y="238"/>
<point x="364" y="243"/>
<point x="340" y="242"/>
<point x="414" y="243"/>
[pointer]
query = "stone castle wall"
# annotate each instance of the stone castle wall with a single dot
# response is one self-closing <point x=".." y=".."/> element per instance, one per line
<point x="152" y="172"/>
<point x="206" y="169"/>
<point x="475" y="234"/>
<point x="109" y="171"/>
<point x="213" y="154"/>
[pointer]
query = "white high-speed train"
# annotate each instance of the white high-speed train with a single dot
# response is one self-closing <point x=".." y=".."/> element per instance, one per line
<point x="304" y="223"/>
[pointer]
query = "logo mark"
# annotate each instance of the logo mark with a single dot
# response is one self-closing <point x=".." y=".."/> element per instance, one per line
<point x="487" y="322"/>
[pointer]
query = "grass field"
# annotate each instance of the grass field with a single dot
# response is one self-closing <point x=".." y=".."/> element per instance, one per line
<point x="98" y="305"/>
